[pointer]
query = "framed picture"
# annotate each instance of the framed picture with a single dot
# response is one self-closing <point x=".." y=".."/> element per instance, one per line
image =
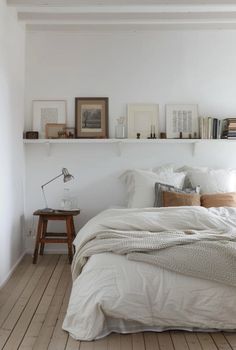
<point x="182" y="119"/>
<point x="143" y="120"/>
<point x="48" y="112"/>
<point x="91" y="117"/>
<point x="31" y="135"/>
<point x="55" y="131"/>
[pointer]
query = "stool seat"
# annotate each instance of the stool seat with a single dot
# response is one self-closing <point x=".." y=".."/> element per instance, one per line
<point x="43" y="236"/>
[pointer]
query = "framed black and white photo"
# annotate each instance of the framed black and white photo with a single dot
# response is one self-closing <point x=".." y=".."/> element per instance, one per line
<point x="182" y="120"/>
<point x="48" y="112"/>
<point x="91" y="117"/>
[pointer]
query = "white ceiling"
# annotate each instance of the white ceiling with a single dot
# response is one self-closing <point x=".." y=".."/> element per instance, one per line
<point x="126" y="14"/>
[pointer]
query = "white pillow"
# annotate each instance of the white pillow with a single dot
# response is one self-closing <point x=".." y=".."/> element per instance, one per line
<point x="214" y="181"/>
<point x="188" y="170"/>
<point x="169" y="167"/>
<point x="127" y="178"/>
<point x="140" y="185"/>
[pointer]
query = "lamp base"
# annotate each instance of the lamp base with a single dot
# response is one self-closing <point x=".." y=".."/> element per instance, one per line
<point x="47" y="210"/>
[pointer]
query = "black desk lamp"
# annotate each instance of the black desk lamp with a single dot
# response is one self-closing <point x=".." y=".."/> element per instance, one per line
<point x="66" y="177"/>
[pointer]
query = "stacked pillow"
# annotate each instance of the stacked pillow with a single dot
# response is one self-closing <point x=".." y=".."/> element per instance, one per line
<point x="166" y="187"/>
<point x="217" y="186"/>
<point x="176" y="199"/>
<point x="218" y="200"/>
<point x="166" y="196"/>
<point x="140" y="185"/>
<point x="214" y="181"/>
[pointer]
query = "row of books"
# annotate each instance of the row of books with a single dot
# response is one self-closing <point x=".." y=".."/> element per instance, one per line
<point x="210" y="128"/>
<point x="213" y="128"/>
<point x="229" y="129"/>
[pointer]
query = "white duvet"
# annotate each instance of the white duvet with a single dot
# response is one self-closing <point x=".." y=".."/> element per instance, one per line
<point x="113" y="294"/>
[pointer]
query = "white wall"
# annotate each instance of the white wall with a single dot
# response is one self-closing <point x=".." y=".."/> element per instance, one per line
<point x="157" y="67"/>
<point x="161" y="67"/>
<point x="12" y="56"/>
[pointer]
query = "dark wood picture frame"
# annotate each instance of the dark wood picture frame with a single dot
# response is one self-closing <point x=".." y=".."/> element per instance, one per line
<point x="98" y="117"/>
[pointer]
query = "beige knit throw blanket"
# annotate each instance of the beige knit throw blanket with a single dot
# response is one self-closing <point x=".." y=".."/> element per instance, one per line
<point x="202" y="254"/>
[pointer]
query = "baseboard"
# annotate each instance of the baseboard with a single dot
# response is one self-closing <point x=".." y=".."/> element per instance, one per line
<point x="12" y="269"/>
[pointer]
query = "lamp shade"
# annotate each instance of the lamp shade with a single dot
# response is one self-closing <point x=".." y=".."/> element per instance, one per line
<point x="66" y="175"/>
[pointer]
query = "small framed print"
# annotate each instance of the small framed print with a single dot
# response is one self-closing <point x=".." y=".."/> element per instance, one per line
<point x="143" y="120"/>
<point x="91" y="117"/>
<point x="31" y="135"/>
<point x="48" y="112"/>
<point x="55" y="131"/>
<point x="182" y="120"/>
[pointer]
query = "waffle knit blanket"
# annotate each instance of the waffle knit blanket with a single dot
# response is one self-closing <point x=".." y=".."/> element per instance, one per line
<point x="205" y="254"/>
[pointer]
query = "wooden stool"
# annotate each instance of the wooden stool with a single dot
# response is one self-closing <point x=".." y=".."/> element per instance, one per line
<point x="44" y="237"/>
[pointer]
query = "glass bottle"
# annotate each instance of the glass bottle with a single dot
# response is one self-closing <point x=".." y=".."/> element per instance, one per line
<point x="120" y="128"/>
<point x="66" y="203"/>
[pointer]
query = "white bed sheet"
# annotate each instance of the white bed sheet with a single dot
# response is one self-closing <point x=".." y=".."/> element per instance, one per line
<point x="113" y="294"/>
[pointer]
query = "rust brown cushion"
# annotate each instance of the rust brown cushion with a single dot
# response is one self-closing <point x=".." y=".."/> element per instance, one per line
<point x="175" y="199"/>
<point x="219" y="200"/>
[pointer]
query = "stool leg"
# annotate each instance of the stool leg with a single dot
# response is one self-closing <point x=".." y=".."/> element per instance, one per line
<point x="44" y="230"/>
<point x="73" y="232"/>
<point x="73" y="227"/>
<point x="38" y="236"/>
<point x="69" y="238"/>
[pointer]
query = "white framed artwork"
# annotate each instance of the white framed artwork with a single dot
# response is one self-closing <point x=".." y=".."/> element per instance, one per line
<point x="183" y="119"/>
<point x="48" y="112"/>
<point x="143" y="120"/>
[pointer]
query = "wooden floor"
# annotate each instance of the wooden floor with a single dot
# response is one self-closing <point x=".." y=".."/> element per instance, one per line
<point x="33" y="304"/>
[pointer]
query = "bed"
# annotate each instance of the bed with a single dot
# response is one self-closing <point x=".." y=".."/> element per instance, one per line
<point x="154" y="269"/>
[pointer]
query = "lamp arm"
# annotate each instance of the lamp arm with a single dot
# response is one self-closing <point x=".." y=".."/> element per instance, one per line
<point x="51" y="180"/>
<point x="44" y="197"/>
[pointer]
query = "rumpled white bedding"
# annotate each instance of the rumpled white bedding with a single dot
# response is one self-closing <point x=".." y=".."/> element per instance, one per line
<point x="115" y="294"/>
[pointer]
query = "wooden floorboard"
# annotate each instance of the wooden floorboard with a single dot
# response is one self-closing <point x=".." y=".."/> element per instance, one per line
<point x="192" y="341"/>
<point x="165" y="341"/>
<point x="33" y="304"/>
<point x="42" y="309"/>
<point x="151" y="341"/>
<point x="14" y="280"/>
<point x="179" y="341"/>
<point x="25" y="318"/>
<point x="231" y="338"/>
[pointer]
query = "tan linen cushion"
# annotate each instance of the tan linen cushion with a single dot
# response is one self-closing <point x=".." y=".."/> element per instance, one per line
<point x="219" y="200"/>
<point x="174" y="199"/>
<point x="160" y="187"/>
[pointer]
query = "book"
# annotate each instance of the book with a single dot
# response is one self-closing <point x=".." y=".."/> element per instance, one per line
<point x="209" y="129"/>
<point x="219" y="130"/>
<point x="201" y="129"/>
<point x="214" y="128"/>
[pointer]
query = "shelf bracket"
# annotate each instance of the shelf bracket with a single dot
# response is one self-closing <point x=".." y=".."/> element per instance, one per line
<point x="119" y="148"/>
<point x="48" y="148"/>
<point x="194" y="148"/>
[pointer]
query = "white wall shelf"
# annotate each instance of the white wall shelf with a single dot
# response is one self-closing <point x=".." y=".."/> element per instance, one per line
<point x="134" y="141"/>
<point x="121" y="142"/>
